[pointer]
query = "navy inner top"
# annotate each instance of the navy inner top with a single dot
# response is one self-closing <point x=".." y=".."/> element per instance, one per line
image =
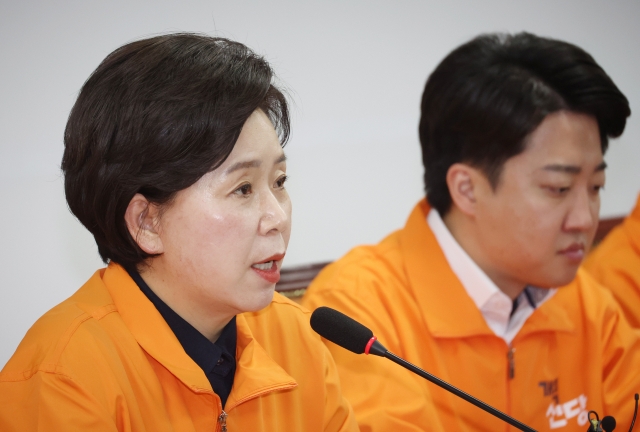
<point x="217" y="360"/>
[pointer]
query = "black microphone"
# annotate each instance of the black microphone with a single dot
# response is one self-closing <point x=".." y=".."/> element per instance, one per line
<point x="608" y="423"/>
<point x="350" y="334"/>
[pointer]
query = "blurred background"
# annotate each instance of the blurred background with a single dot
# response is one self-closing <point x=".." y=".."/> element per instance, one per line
<point x="354" y="70"/>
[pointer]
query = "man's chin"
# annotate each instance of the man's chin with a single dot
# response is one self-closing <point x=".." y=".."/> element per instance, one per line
<point x="557" y="279"/>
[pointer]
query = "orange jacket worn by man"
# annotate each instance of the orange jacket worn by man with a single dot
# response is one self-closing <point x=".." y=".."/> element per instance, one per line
<point x="482" y="287"/>
<point x="615" y="263"/>
<point x="573" y="354"/>
<point x="105" y="358"/>
<point x="174" y="162"/>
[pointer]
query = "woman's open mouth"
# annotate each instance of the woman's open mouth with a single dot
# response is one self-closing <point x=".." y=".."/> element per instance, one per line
<point x="268" y="269"/>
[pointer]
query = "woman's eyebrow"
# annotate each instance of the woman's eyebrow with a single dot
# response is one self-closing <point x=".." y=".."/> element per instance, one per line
<point x="282" y="158"/>
<point x="241" y="165"/>
<point x="255" y="163"/>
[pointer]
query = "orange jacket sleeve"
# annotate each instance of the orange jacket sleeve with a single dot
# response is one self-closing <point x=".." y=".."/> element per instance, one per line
<point x="615" y="263"/>
<point x="382" y="393"/>
<point x="339" y="416"/>
<point x="62" y="405"/>
<point x="620" y="363"/>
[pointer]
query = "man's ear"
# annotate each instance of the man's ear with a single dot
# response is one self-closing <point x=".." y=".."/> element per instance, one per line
<point x="462" y="180"/>
<point x="142" y="219"/>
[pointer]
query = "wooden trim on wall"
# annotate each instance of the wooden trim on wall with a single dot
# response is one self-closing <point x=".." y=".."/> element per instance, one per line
<point x="295" y="280"/>
<point x="605" y="226"/>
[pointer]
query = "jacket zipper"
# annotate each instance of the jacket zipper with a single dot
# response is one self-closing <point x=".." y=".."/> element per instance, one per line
<point x="222" y="420"/>
<point x="511" y="372"/>
<point x="511" y="362"/>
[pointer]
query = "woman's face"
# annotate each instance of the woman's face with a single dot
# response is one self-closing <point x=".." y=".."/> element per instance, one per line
<point x="224" y="237"/>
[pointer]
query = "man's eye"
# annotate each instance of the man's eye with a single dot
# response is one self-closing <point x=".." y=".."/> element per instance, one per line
<point x="243" y="190"/>
<point x="558" y="190"/>
<point x="281" y="181"/>
<point x="597" y="188"/>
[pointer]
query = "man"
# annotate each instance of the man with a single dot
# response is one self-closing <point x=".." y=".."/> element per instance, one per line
<point x="481" y="287"/>
<point x="616" y="264"/>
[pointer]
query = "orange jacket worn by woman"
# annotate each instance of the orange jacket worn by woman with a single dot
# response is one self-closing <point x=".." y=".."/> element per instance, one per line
<point x="575" y="353"/>
<point x="174" y="162"/>
<point x="615" y="263"/>
<point x="105" y="360"/>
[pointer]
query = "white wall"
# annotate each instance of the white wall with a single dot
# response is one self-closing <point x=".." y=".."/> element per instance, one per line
<point x="356" y="70"/>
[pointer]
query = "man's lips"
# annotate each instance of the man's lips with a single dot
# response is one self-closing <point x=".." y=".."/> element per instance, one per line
<point x="268" y="268"/>
<point x="575" y="252"/>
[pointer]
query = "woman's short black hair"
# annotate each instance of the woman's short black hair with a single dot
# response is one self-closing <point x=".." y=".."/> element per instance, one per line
<point x="155" y="116"/>
<point x="486" y="96"/>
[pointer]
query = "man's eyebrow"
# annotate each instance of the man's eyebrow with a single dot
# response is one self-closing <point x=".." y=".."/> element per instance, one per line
<point x="571" y="169"/>
<point x="242" y="165"/>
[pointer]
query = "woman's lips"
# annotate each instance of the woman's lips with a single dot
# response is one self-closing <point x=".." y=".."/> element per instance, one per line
<point x="574" y="253"/>
<point x="268" y="269"/>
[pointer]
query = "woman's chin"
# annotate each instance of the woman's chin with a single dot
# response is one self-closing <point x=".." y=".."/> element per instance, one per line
<point x="260" y="301"/>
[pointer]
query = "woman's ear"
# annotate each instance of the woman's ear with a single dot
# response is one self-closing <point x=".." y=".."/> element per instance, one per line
<point x="143" y="220"/>
<point x="462" y="183"/>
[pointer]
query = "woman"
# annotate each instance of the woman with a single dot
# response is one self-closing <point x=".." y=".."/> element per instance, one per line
<point x="173" y="162"/>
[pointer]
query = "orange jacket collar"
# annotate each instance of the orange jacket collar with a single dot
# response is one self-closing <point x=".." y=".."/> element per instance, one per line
<point x="257" y="373"/>
<point x="260" y="374"/>
<point x="424" y="260"/>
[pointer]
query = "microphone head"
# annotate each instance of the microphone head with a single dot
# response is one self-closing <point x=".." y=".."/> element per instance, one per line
<point x="608" y="424"/>
<point x="340" y="329"/>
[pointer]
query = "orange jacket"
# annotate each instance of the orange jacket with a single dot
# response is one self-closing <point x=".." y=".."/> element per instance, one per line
<point x="615" y="263"/>
<point x="105" y="360"/>
<point x="575" y="353"/>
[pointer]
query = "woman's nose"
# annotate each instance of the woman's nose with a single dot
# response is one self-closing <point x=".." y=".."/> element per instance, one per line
<point x="276" y="214"/>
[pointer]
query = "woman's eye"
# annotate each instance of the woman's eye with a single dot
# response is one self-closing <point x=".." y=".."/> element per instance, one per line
<point x="243" y="190"/>
<point x="281" y="181"/>
<point x="597" y="188"/>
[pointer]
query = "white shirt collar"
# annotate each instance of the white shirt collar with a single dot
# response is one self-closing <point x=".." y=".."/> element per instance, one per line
<point x="495" y="306"/>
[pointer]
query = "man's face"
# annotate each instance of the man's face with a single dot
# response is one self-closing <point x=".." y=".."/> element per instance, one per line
<point x="540" y="220"/>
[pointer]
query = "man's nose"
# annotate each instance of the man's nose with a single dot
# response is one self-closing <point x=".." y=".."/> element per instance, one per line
<point x="583" y="214"/>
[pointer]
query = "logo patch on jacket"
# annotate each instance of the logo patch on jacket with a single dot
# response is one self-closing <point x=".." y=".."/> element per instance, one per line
<point x="550" y="388"/>
<point x="559" y="414"/>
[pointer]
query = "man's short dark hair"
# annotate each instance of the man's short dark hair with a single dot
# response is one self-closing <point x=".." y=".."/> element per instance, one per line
<point x="486" y="96"/>
<point x="153" y="118"/>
